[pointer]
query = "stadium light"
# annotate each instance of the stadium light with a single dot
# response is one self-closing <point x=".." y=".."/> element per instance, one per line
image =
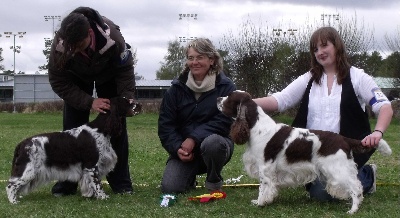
<point x="48" y="18"/>
<point x="278" y="32"/>
<point x="335" y="17"/>
<point x="16" y="49"/>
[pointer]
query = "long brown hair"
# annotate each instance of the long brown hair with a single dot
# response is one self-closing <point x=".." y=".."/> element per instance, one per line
<point x="330" y="34"/>
<point x="74" y="29"/>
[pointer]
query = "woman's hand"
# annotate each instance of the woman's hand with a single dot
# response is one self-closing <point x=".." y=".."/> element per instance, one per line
<point x="185" y="153"/>
<point x="185" y="156"/>
<point x="372" y="139"/>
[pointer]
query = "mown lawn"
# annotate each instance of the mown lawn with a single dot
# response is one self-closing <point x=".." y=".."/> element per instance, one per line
<point x="147" y="160"/>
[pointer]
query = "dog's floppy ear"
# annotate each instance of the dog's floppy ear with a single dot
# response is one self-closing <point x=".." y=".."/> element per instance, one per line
<point x="240" y="132"/>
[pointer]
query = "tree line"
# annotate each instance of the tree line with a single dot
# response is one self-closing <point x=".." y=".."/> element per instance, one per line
<point x="262" y="60"/>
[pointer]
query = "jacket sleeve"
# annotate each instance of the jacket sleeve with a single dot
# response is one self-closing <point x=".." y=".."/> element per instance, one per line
<point x="168" y="127"/>
<point x="125" y="76"/>
<point x="218" y="124"/>
<point x="62" y="85"/>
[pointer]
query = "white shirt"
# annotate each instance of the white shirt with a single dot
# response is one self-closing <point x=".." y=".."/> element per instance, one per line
<point x="324" y="109"/>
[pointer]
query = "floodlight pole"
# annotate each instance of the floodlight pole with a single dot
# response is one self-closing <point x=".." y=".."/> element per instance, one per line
<point x="329" y="16"/>
<point x="186" y="38"/>
<point x="57" y="17"/>
<point x="290" y="32"/>
<point x="15" y="49"/>
<point x="188" y="17"/>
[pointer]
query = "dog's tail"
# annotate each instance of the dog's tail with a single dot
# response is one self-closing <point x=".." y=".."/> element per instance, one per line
<point x="357" y="147"/>
<point x="384" y="148"/>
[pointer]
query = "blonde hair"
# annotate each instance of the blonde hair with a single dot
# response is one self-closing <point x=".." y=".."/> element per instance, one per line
<point x="205" y="47"/>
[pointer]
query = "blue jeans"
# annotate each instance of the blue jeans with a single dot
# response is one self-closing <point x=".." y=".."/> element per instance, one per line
<point x="317" y="188"/>
<point x="215" y="151"/>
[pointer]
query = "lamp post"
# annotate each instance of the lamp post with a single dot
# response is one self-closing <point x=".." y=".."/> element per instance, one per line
<point x="194" y="16"/>
<point x="335" y="17"/>
<point x="186" y="38"/>
<point x="278" y="32"/>
<point x="57" y="17"/>
<point x="188" y="17"/>
<point x="15" y="48"/>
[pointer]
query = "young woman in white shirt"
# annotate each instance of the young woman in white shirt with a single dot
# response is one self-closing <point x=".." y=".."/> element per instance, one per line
<point x="332" y="97"/>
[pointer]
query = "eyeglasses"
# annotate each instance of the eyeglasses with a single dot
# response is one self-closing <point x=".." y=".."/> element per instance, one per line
<point x="197" y="58"/>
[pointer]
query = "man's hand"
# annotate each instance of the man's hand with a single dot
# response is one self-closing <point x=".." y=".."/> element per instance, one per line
<point x="101" y="104"/>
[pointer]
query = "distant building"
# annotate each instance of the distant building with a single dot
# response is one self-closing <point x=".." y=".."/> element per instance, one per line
<point x="6" y="88"/>
<point x="151" y="89"/>
<point x="388" y="84"/>
<point x="26" y="88"/>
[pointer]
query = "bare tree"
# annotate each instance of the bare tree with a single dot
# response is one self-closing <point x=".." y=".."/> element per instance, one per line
<point x="393" y="41"/>
<point x="263" y="60"/>
<point x="249" y="56"/>
<point x="356" y="36"/>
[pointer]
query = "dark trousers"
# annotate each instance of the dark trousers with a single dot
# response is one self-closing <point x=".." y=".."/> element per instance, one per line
<point x="317" y="188"/>
<point x="215" y="152"/>
<point x="118" y="179"/>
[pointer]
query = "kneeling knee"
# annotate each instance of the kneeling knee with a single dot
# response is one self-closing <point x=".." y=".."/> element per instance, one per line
<point x="172" y="189"/>
<point x="319" y="194"/>
<point x="214" y="144"/>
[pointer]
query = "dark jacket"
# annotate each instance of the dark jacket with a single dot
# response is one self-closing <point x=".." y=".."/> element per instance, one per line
<point x="182" y="116"/>
<point x="111" y="60"/>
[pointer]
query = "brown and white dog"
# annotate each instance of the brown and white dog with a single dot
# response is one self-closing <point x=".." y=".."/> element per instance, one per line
<point x="283" y="156"/>
<point x="82" y="154"/>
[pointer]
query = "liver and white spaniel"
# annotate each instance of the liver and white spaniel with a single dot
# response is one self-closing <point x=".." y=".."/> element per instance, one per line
<point x="82" y="154"/>
<point x="283" y="156"/>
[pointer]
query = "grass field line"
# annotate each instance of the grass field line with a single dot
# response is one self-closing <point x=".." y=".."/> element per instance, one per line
<point x="238" y="185"/>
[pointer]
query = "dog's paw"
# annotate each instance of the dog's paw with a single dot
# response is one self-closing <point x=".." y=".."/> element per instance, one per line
<point x="14" y="202"/>
<point x="256" y="203"/>
<point x="13" y="199"/>
<point x="102" y="196"/>
<point x="351" y="212"/>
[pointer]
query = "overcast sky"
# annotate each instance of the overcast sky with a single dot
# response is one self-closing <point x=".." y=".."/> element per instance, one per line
<point x="148" y="25"/>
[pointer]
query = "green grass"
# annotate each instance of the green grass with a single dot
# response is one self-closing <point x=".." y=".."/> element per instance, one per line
<point x="147" y="160"/>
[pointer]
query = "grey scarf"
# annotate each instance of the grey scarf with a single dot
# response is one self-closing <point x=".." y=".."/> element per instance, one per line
<point x="198" y="87"/>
